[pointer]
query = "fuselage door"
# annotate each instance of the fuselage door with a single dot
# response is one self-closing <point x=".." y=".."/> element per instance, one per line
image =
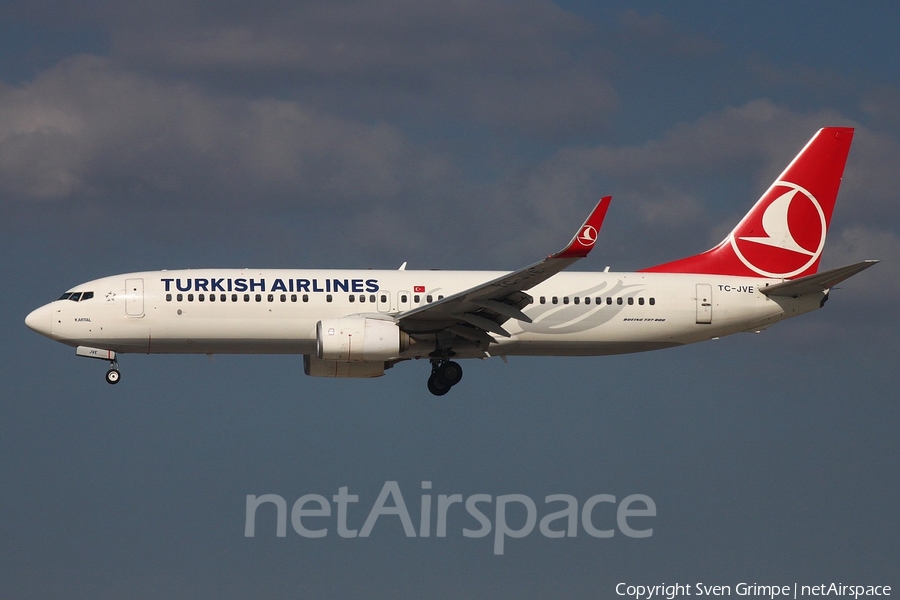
<point x="134" y="297"/>
<point x="704" y="304"/>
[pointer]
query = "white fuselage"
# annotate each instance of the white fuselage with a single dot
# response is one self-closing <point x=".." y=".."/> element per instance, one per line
<point x="275" y="311"/>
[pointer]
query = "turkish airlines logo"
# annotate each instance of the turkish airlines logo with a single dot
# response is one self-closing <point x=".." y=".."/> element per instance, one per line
<point x="588" y="236"/>
<point x="785" y="235"/>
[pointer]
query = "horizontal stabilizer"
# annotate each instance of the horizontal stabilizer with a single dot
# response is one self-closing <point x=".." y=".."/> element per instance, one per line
<point x="820" y="282"/>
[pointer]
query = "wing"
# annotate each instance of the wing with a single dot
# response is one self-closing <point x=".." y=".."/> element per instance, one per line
<point x="477" y="312"/>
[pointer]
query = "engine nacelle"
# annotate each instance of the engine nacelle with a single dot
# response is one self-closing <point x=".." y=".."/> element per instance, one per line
<point x="316" y="367"/>
<point x="359" y="339"/>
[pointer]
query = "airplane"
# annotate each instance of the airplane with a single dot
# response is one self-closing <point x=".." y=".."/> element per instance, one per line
<point x="358" y="323"/>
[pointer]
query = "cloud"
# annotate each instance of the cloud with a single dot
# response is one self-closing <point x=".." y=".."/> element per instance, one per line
<point x="89" y="128"/>
<point x="883" y="104"/>
<point x="655" y="32"/>
<point x="529" y="67"/>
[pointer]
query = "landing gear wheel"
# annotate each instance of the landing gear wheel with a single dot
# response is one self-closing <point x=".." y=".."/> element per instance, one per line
<point x="450" y="372"/>
<point x="437" y="385"/>
<point x="112" y="376"/>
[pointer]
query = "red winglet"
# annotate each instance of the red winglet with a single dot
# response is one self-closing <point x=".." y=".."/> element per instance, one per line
<point x="584" y="240"/>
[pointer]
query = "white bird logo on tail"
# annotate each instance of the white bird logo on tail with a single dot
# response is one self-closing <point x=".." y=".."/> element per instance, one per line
<point x="778" y="230"/>
<point x="776" y="225"/>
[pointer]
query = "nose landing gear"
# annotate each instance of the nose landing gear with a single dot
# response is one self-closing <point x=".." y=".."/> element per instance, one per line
<point x="112" y="376"/>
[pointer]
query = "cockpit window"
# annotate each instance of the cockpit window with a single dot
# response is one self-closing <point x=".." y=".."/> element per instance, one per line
<point x="77" y="296"/>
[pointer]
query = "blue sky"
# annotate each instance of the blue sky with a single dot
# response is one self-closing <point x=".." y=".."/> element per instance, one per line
<point x="461" y="135"/>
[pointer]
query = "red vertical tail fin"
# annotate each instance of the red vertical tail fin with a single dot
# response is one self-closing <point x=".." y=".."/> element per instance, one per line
<point x="784" y="233"/>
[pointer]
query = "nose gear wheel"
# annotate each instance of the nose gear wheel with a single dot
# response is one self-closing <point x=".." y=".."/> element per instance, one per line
<point x="112" y="376"/>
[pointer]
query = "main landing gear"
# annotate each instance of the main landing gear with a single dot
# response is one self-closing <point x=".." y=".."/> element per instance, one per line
<point x="444" y="375"/>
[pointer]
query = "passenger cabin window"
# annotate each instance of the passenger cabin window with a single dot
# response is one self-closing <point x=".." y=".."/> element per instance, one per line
<point x="428" y="298"/>
<point x="543" y="300"/>
<point x="652" y="301"/>
<point x="168" y="297"/>
<point x="619" y="300"/>
<point x="630" y="300"/>
<point x="351" y="297"/>
<point x="403" y="298"/>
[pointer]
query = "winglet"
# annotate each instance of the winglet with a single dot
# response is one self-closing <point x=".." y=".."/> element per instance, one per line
<point x="584" y="240"/>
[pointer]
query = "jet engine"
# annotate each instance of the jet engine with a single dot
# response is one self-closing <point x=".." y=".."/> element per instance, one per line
<point x="359" y="339"/>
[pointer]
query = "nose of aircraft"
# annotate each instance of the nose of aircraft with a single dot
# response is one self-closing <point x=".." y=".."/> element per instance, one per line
<point x="40" y="320"/>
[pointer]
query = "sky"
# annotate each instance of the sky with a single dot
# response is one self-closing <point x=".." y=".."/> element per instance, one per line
<point x="453" y="135"/>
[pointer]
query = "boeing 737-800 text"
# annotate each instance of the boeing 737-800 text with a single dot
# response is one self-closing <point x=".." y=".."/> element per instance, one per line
<point x="352" y="323"/>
